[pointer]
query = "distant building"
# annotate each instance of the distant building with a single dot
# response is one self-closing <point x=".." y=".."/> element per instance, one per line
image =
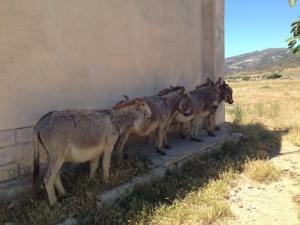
<point x="255" y="77"/>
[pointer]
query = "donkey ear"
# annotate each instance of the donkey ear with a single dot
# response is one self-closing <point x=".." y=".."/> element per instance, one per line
<point x="139" y="104"/>
<point x="125" y="96"/>
<point x="207" y="82"/>
<point x="171" y="87"/>
<point x="219" y="81"/>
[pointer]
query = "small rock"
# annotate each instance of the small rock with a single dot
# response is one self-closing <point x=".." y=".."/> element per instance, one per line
<point x="248" y="208"/>
<point x="232" y="193"/>
<point x="70" y="221"/>
<point x="253" y="207"/>
<point x="237" y="189"/>
<point x="240" y="205"/>
<point x="275" y="219"/>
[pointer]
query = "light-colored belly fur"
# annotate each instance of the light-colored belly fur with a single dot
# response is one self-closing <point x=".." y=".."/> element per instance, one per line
<point x="181" y="118"/>
<point x="76" y="154"/>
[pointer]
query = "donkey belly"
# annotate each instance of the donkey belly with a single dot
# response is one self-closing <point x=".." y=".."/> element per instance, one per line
<point x="181" y="118"/>
<point x="153" y="125"/>
<point x="76" y="154"/>
<point x="204" y="113"/>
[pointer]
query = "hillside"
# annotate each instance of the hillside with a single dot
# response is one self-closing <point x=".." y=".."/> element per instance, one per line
<point x="273" y="59"/>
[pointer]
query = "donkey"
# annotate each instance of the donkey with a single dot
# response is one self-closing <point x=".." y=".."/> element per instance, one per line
<point x="164" y="106"/>
<point x="208" y="94"/>
<point x="83" y="135"/>
<point x="209" y="112"/>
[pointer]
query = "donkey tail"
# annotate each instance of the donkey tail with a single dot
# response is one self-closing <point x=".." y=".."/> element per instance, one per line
<point x="36" y="159"/>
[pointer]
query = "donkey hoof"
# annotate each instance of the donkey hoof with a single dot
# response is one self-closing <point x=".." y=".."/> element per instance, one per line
<point x="168" y="147"/>
<point x="55" y="205"/>
<point x="160" y="151"/>
<point x="196" y="139"/>
<point x="62" y="195"/>
<point x="210" y="133"/>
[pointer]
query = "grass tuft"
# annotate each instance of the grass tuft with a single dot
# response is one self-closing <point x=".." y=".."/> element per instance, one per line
<point x="261" y="171"/>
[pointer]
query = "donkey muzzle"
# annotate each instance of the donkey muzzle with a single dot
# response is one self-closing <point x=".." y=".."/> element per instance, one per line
<point x="215" y="105"/>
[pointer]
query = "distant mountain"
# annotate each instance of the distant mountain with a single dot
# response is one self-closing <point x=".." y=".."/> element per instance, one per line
<point x="268" y="59"/>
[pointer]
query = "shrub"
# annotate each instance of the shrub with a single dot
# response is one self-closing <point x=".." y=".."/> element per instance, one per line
<point x="246" y="78"/>
<point x="261" y="171"/>
<point x="273" y="76"/>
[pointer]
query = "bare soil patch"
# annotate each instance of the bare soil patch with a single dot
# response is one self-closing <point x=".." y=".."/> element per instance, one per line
<point x="274" y="203"/>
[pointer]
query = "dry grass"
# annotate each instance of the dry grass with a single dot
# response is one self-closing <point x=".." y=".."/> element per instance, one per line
<point x="207" y="205"/>
<point x="275" y="103"/>
<point x="261" y="171"/>
<point x="196" y="194"/>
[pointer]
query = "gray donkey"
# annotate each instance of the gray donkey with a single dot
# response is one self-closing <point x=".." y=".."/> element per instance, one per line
<point x="83" y="135"/>
<point x="210" y="112"/>
<point x="205" y="95"/>
<point x="164" y="106"/>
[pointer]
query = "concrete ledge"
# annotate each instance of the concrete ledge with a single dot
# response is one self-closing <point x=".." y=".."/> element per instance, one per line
<point x="182" y="151"/>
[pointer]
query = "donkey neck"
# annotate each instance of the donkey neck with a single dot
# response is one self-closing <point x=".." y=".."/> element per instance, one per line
<point x="171" y="101"/>
<point x="123" y="118"/>
<point x="222" y="94"/>
<point x="200" y="93"/>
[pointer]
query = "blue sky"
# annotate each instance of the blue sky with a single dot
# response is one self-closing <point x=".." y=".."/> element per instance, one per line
<point x="252" y="25"/>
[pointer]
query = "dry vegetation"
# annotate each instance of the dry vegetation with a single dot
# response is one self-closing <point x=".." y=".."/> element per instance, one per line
<point x="267" y="112"/>
<point x="274" y="103"/>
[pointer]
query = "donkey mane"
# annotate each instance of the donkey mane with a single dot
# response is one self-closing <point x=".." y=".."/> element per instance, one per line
<point x="169" y="90"/>
<point x="126" y="103"/>
<point x="203" y="85"/>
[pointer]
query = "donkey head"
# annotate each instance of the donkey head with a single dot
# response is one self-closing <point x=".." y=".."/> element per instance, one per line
<point x="226" y="93"/>
<point x="184" y="105"/>
<point x="213" y="94"/>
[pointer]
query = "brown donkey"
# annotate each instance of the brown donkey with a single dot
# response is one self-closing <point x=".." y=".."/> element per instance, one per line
<point x="208" y="95"/>
<point x="164" y="106"/>
<point x="210" y="112"/>
<point x="83" y="135"/>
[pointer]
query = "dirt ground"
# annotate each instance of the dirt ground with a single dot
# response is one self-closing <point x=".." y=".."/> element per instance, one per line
<point x="268" y="204"/>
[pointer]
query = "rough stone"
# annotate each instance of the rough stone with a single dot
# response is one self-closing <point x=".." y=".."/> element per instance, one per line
<point x="24" y="135"/>
<point x="7" y="138"/>
<point x="8" y="171"/>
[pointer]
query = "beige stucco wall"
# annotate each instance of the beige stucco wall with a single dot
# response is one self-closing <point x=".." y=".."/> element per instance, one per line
<point x="86" y="54"/>
<point x="57" y="55"/>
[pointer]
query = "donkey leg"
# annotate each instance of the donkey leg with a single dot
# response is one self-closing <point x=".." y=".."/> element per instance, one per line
<point x="181" y="131"/>
<point x="93" y="166"/>
<point x="192" y="129"/>
<point x="165" y="140"/>
<point x="106" y="162"/>
<point x="211" y="124"/>
<point x="160" y="137"/>
<point x="195" y="136"/>
<point x="49" y="179"/>
<point x="59" y="187"/>
<point x="118" y="148"/>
